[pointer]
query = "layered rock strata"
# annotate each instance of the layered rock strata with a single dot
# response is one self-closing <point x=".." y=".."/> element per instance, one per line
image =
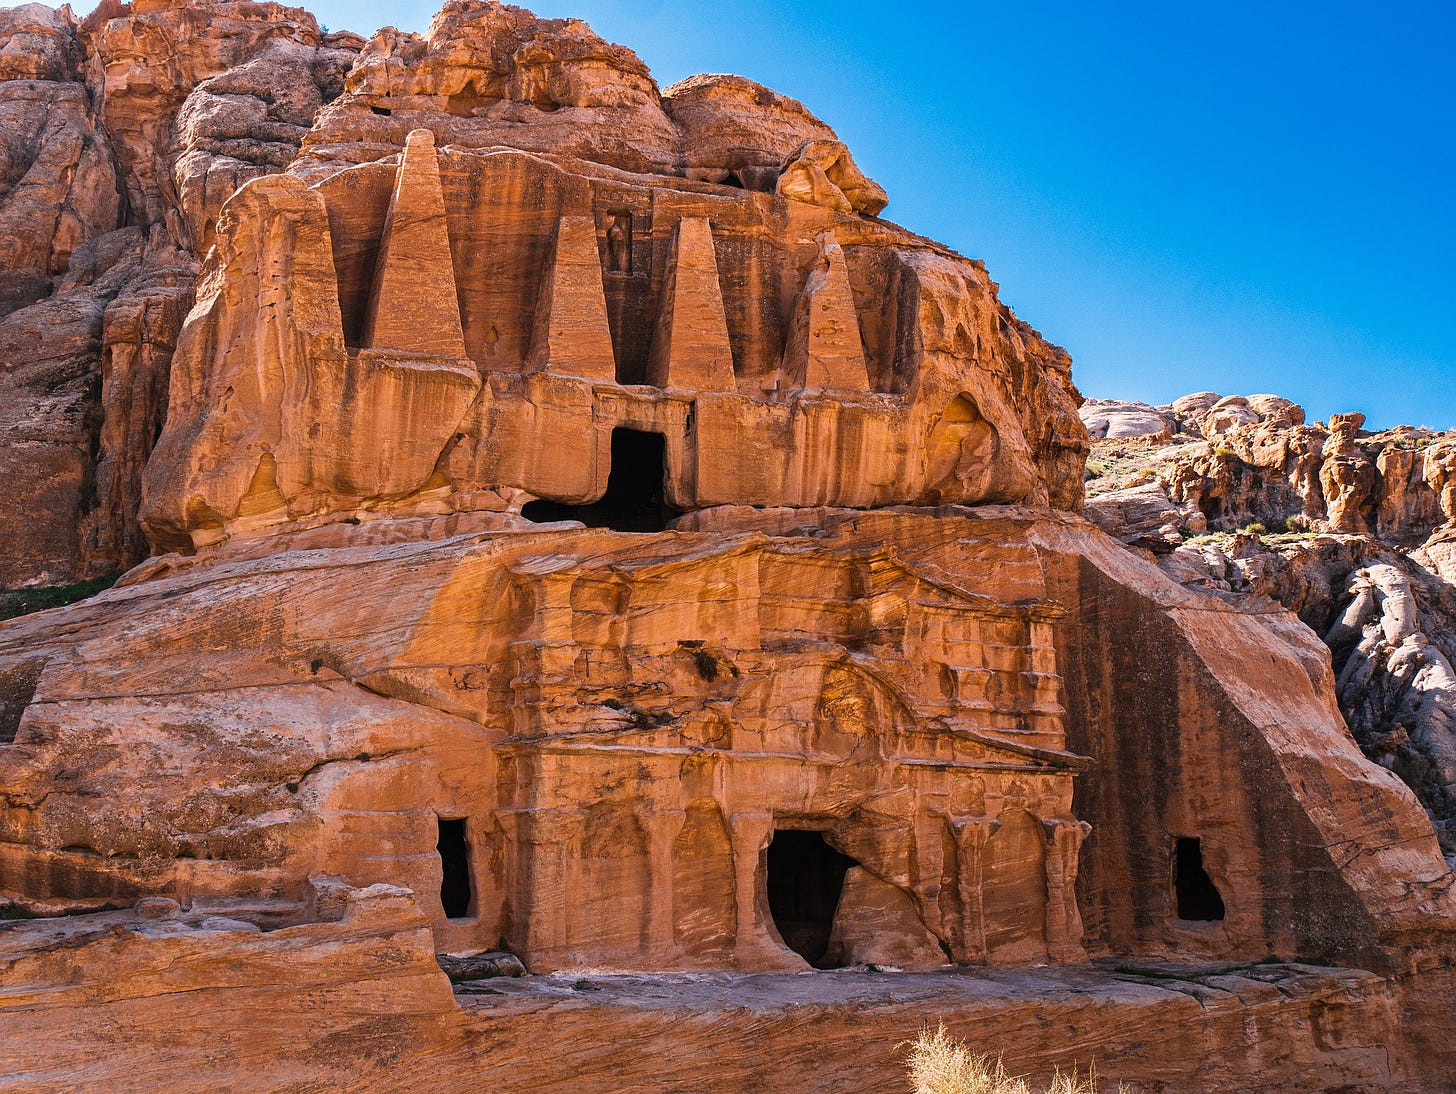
<point x="581" y="526"/>
<point x="123" y="134"/>
<point x="624" y="723"/>
<point x="1349" y="529"/>
<point x="705" y="321"/>
<point x="358" y="998"/>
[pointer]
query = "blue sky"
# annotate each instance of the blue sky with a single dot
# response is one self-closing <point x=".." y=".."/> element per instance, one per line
<point x="1237" y="197"/>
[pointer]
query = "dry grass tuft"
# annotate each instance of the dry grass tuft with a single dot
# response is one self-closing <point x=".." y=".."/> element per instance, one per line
<point x="939" y="1064"/>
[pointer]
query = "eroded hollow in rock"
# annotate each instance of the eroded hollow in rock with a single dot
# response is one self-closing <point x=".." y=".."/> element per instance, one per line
<point x="17" y="690"/>
<point x="636" y="497"/>
<point x="805" y="880"/>
<point x="454" y="851"/>
<point x="1198" y="897"/>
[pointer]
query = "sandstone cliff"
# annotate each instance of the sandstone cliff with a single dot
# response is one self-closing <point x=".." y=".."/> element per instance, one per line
<point x="128" y="132"/>
<point x="121" y="132"/>
<point x="1351" y="530"/>
<point x="561" y="517"/>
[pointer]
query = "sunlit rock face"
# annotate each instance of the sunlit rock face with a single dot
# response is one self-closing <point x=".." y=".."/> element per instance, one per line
<point x="467" y="329"/>
<point x="1348" y="528"/>
<point x="579" y="526"/>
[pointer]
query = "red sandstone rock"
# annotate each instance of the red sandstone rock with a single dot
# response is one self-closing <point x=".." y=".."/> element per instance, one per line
<point x="701" y="355"/>
<point x="1380" y="597"/>
<point x="492" y="275"/>
<point x="358" y="998"/>
<point x="144" y="59"/>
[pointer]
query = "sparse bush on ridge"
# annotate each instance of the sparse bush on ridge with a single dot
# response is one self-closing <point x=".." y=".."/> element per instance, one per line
<point x="18" y="602"/>
<point x="939" y="1064"/>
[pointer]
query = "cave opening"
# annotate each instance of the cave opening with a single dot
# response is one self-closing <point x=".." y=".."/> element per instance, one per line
<point x="805" y="881"/>
<point x="454" y="849"/>
<point x="636" y="496"/>
<point x="1197" y="895"/>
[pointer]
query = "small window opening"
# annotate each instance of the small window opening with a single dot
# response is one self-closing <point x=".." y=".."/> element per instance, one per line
<point x="636" y="497"/>
<point x="734" y="180"/>
<point x="454" y="850"/>
<point x="805" y="880"/>
<point x="1198" y="897"/>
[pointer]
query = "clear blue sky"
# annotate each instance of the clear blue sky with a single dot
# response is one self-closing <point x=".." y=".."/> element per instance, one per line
<point x="1237" y="197"/>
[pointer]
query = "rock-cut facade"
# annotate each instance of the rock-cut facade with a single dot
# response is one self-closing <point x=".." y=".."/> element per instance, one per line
<point x="566" y="518"/>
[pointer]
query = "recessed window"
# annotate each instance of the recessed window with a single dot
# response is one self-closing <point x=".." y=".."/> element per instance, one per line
<point x="454" y="849"/>
<point x="636" y="496"/>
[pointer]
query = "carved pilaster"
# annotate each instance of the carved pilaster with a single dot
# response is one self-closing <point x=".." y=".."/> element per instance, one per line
<point x="971" y="837"/>
<point x="662" y="831"/>
<point x="546" y="839"/>
<point x="1064" y="919"/>
<point x="753" y="948"/>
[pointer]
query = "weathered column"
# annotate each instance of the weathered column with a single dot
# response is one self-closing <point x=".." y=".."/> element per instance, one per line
<point x="753" y="949"/>
<point x="662" y="831"/>
<point x="546" y="839"/>
<point x="927" y="870"/>
<point x="971" y="836"/>
<point x="1064" y="919"/>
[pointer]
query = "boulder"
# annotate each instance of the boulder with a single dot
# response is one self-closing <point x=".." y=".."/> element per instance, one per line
<point x="1108" y="419"/>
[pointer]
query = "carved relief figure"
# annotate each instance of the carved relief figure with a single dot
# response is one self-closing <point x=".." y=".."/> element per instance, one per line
<point x="619" y="243"/>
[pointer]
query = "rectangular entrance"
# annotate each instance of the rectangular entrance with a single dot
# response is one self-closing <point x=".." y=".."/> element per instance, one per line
<point x="636" y="495"/>
<point x="454" y="851"/>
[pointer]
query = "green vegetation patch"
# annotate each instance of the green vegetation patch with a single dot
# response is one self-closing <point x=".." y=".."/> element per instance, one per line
<point x="18" y="602"/>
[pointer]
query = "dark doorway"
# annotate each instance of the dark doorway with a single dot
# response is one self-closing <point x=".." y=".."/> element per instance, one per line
<point x="636" y="497"/>
<point x="1197" y="895"/>
<point x="805" y="879"/>
<point x="455" y="865"/>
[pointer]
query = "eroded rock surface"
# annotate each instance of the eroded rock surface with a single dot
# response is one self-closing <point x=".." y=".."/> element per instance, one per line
<point x="582" y="528"/>
<point x="185" y="978"/>
<point x="121" y="136"/>
<point x="151" y="116"/>
<point x="1348" y="529"/>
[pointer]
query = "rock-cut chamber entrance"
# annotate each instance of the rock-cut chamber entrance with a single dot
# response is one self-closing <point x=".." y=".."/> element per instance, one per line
<point x="454" y="851"/>
<point x="636" y="496"/>
<point x="1197" y="896"/>
<point x="805" y="881"/>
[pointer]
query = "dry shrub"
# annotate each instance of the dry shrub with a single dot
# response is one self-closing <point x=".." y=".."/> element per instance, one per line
<point x="939" y="1064"/>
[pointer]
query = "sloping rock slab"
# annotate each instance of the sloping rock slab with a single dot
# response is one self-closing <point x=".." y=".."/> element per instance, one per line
<point x="134" y="1000"/>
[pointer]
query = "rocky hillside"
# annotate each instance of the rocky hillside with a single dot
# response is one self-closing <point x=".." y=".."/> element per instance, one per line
<point x="1350" y="529"/>
<point x="124" y="133"/>
<point x="121" y="135"/>
<point x="567" y="529"/>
